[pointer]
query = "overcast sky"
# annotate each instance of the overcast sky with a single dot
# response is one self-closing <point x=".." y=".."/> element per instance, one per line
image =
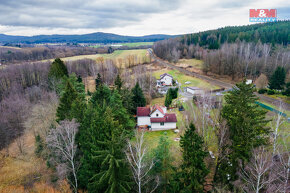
<point x="128" y="17"/>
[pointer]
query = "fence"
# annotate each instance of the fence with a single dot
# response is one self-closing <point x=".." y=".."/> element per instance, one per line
<point x="273" y="110"/>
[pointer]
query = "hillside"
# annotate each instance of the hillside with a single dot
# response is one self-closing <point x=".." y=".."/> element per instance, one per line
<point x="98" y="37"/>
<point x="272" y="32"/>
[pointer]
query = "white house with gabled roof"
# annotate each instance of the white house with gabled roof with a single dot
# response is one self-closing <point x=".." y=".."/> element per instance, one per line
<point x="156" y="118"/>
<point x="165" y="80"/>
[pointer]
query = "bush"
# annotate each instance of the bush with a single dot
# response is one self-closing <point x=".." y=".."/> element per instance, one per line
<point x="270" y="92"/>
<point x="287" y="90"/>
<point x="262" y="91"/>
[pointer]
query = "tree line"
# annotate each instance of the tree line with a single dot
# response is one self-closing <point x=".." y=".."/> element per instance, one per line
<point x="245" y="51"/>
<point x="10" y="55"/>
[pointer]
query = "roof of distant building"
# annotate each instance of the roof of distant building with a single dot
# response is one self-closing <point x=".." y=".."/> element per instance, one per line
<point x="165" y="74"/>
<point x="194" y="88"/>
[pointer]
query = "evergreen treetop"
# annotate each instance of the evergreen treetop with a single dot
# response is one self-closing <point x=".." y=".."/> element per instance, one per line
<point x="138" y="98"/>
<point x="57" y="69"/>
<point x="277" y="80"/>
<point x="247" y="129"/>
<point x="193" y="168"/>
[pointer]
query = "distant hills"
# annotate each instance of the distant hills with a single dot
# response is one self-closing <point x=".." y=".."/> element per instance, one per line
<point x="98" y="37"/>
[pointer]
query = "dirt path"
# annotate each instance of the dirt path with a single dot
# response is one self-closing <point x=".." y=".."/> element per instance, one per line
<point x="212" y="80"/>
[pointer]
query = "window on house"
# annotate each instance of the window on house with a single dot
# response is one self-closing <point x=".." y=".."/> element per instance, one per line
<point x="162" y="124"/>
<point x="157" y="115"/>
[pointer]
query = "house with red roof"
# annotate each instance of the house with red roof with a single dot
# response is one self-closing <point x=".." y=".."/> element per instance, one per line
<point x="156" y="118"/>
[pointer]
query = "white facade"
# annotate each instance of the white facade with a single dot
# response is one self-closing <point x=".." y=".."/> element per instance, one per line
<point x="167" y="80"/>
<point x="194" y="90"/>
<point x="144" y="120"/>
<point x="156" y="118"/>
<point x="159" y="126"/>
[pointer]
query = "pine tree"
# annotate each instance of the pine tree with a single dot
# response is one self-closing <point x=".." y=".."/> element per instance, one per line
<point x="168" y="99"/>
<point x="98" y="81"/>
<point x="80" y="80"/>
<point x="119" y="112"/>
<point x="163" y="161"/>
<point x="57" y="70"/>
<point x="101" y="95"/>
<point x="247" y="129"/>
<point x="193" y="169"/>
<point x="101" y="142"/>
<point x="126" y="96"/>
<point x="66" y="100"/>
<point x="277" y="80"/>
<point x="118" y="82"/>
<point x="114" y="173"/>
<point x="138" y="98"/>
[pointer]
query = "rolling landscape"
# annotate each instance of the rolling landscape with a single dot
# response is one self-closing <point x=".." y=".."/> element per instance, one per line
<point x="202" y="109"/>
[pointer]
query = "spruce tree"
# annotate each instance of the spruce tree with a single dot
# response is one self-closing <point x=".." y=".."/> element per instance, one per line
<point x="118" y="82"/>
<point x="277" y="80"/>
<point x="98" y="81"/>
<point x="114" y="175"/>
<point x="101" y="141"/>
<point x="101" y="95"/>
<point x="57" y="70"/>
<point x="168" y="99"/>
<point x="66" y="100"/>
<point x="247" y="130"/>
<point x="138" y="98"/>
<point x="80" y="80"/>
<point x="193" y="168"/>
<point x="163" y="161"/>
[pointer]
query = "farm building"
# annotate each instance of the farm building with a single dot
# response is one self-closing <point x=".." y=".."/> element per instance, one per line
<point x="165" y="80"/>
<point x="194" y="90"/>
<point x="155" y="118"/>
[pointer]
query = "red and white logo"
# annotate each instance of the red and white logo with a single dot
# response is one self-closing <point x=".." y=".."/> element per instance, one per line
<point x="262" y="15"/>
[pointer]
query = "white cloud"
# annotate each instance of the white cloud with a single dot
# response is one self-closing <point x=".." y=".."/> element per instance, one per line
<point x="127" y="17"/>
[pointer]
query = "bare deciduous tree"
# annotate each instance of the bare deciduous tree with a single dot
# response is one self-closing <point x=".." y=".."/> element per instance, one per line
<point x="140" y="165"/>
<point x="61" y="141"/>
<point x="255" y="175"/>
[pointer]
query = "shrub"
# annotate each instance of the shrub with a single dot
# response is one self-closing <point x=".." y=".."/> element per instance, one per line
<point x="270" y="92"/>
<point x="262" y="91"/>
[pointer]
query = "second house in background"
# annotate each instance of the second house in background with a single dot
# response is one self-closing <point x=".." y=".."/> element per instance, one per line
<point x="165" y="80"/>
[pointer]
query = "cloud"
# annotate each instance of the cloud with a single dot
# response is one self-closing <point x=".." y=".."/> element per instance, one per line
<point x="128" y="17"/>
<point x="79" y="14"/>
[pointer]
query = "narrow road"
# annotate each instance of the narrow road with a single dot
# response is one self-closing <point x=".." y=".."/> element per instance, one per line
<point x="212" y="80"/>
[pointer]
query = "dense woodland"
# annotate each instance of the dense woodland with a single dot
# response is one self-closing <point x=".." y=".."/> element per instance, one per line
<point x="245" y="51"/>
<point x="10" y="55"/>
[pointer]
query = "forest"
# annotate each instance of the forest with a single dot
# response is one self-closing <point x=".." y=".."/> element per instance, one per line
<point x="88" y="139"/>
<point x="70" y="125"/>
<point x="241" y="51"/>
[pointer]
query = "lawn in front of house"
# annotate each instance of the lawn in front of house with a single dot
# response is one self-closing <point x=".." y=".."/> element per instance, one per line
<point x="152" y="141"/>
<point x="182" y="78"/>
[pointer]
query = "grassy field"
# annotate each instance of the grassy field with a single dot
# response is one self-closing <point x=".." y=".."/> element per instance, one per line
<point x="280" y="96"/>
<point x="192" y="62"/>
<point x="115" y="55"/>
<point x="182" y="78"/>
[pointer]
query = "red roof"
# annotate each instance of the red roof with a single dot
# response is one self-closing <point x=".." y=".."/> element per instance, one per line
<point x="143" y="111"/>
<point x="167" y="118"/>
<point x="156" y="107"/>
